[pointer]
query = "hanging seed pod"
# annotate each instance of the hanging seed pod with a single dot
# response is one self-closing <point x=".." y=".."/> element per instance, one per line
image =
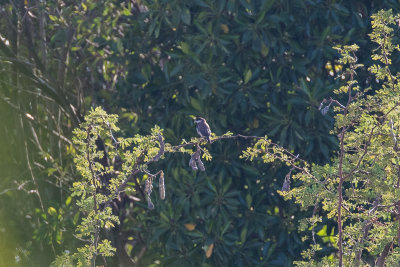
<point x="148" y="188"/>
<point x="321" y="105"/>
<point x="161" y="186"/>
<point x="325" y="110"/>
<point x="150" y="204"/>
<point x="200" y="163"/>
<point x="192" y="162"/>
<point x="286" y="183"/>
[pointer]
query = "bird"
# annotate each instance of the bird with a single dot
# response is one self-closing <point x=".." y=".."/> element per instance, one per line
<point x="202" y="128"/>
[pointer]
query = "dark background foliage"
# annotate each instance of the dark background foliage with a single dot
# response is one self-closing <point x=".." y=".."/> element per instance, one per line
<point x="249" y="67"/>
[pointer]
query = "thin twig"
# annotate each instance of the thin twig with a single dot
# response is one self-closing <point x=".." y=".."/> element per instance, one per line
<point x="176" y="148"/>
<point x="19" y="187"/>
<point x="341" y="174"/>
<point x="313" y="226"/>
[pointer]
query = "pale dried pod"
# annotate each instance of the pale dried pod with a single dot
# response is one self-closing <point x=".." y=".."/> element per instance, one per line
<point x="161" y="186"/>
<point x="200" y="164"/>
<point x="150" y="204"/>
<point x="148" y="185"/>
<point x="325" y="110"/>
<point x="192" y="162"/>
<point x="286" y="183"/>
<point x="148" y="188"/>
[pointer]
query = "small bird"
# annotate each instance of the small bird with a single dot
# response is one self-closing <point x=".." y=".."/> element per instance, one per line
<point x="202" y="128"/>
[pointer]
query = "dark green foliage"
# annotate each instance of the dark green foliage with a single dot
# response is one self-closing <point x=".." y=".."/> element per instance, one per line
<point x="257" y="67"/>
<point x="363" y="179"/>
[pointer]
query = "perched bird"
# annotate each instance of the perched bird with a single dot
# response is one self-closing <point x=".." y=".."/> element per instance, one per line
<point x="202" y="128"/>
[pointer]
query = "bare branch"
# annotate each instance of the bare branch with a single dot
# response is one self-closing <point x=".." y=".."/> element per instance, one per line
<point x="382" y="258"/>
<point x="176" y="148"/>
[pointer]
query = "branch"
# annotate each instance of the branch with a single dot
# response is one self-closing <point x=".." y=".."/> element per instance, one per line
<point x="136" y="170"/>
<point x="396" y="149"/>
<point x="313" y="226"/>
<point x="291" y="161"/>
<point x="97" y="228"/>
<point x="176" y="148"/>
<point x="366" y="146"/>
<point x="382" y="258"/>
<point x="367" y="226"/>
<point x="384" y="116"/>
<point x="331" y="100"/>
<point x="341" y="176"/>
<point x="398" y="218"/>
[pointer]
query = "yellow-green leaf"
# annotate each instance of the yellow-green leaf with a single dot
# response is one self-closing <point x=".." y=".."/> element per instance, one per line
<point x="53" y="18"/>
<point x="264" y="50"/>
<point x="184" y="47"/>
<point x="247" y="77"/>
<point x="68" y="201"/>
<point x="52" y="211"/>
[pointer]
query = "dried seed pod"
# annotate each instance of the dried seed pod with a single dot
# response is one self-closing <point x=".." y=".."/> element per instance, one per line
<point x="321" y="105"/>
<point x="200" y="163"/>
<point x="148" y="188"/>
<point x="325" y="110"/>
<point x="286" y="186"/>
<point x="192" y="162"/>
<point x="148" y="185"/>
<point x="161" y="186"/>
<point x="286" y="183"/>
<point x="150" y="204"/>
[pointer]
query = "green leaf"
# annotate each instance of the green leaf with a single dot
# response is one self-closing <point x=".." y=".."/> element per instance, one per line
<point x="76" y="218"/>
<point x="184" y="47"/>
<point x="304" y="87"/>
<point x="225" y="228"/>
<point x="247" y="76"/>
<point x="68" y="201"/>
<point x="196" y="104"/>
<point x="185" y="16"/>
<point x="249" y="200"/>
<point x="84" y="6"/>
<point x="264" y="50"/>
<point x="227" y="184"/>
<point x="176" y="70"/>
<point x="243" y="234"/>
<point x="52" y="211"/>
<point x="53" y="18"/>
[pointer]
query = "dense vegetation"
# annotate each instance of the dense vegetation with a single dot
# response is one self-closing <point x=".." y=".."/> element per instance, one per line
<point x="250" y="67"/>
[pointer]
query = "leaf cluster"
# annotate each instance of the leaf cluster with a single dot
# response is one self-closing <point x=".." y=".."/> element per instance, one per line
<point x="360" y="187"/>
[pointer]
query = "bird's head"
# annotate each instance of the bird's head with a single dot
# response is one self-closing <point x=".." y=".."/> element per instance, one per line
<point x="198" y="120"/>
